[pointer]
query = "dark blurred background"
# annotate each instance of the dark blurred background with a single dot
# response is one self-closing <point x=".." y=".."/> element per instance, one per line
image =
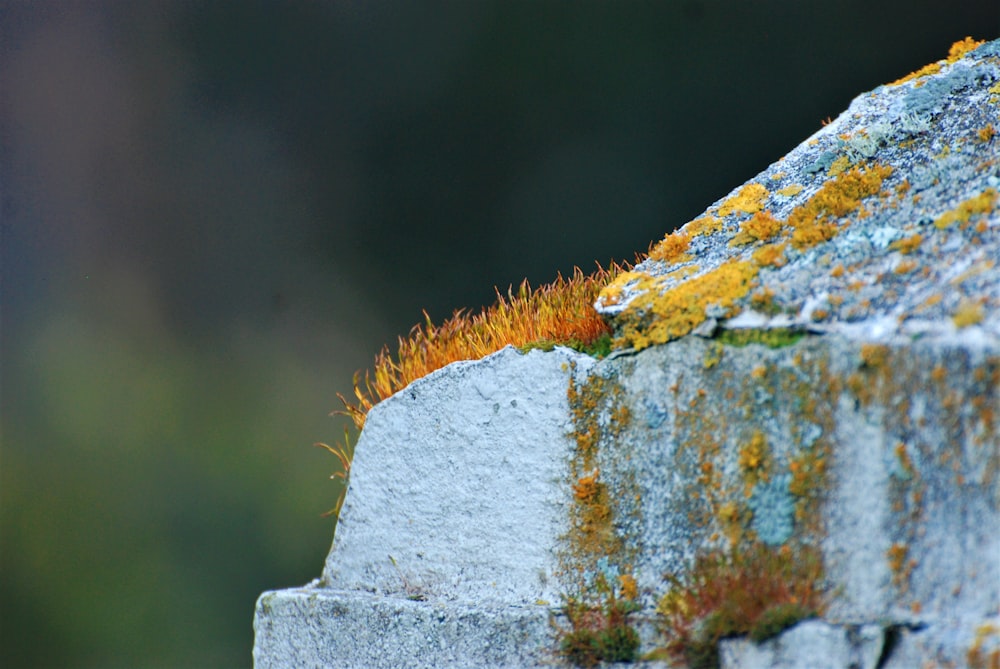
<point x="214" y="213"/>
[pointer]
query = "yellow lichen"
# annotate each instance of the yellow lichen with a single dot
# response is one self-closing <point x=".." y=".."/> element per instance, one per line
<point x="974" y="206"/>
<point x="772" y="255"/>
<point x="705" y="225"/>
<point x="968" y="312"/>
<point x="755" y="461"/>
<point x="680" y="309"/>
<point x="957" y="50"/>
<point x="790" y="191"/>
<point x="816" y="221"/>
<point x="874" y="356"/>
<point x="672" y="248"/>
<point x="838" y="166"/>
<point x="907" y="245"/>
<point x="749" y="200"/>
<point x="761" y="227"/>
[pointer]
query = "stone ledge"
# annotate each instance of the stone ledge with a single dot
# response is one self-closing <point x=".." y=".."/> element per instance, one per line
<point x="322" y="627"/>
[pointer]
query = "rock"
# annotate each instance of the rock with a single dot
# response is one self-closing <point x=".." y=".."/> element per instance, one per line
<point x="813" y="644"/>
<point x="445" y="552"/>
<point x="881" y="224"/>
<point x="800" y="419"/>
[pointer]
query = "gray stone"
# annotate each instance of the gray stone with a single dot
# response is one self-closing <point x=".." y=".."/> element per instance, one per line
<point x="809" y="645"/>
<point x="842" y="400"/>
<point x="457" y="488"/>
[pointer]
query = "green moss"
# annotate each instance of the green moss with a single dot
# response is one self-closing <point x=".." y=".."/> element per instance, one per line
<point x="599" y="632"/>
<point x="599" y="348"/>
<point x="772" y="338"/>
<point x="777" y="619"/>
<point x="758" y="591"/>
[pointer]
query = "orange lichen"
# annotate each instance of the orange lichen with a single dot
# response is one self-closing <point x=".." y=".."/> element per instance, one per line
<point x="761" y="227"/>
<point x="905" y="267"/>
<point x="874" y="356"/>
<point x="672" y="249"/>
<point x="790" y="191"/>
<point x="772" y="255"/>
<point x="749" y="200"/>
<point x="907" y="245"/>
<point x="977" y="656"/>
<point x="987" y="133"/>
<point x="899" y="565"/>
<point x="560" y="312"/>
<point x="587" y="487"/>
<point x="763" y="301"/>
<point x="755" y="461"/>
<point x="957" y="50"/>
<point x="816" y="220"/>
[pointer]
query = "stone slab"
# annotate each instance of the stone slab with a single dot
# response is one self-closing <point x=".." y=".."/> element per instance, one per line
<point x="868" y="431"/>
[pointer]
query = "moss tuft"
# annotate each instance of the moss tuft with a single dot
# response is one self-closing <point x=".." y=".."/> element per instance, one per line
<point x="751" y="591"/>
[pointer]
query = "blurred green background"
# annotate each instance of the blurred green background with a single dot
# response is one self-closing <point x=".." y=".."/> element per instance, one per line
<point x="212" y="214"/>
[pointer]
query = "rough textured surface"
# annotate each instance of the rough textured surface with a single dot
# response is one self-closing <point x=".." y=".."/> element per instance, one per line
<point x="812" y="644"/>
<point x="881" y="223"/>
<point x="320" y="627"/>
<point x="484" y="495"/>
<point x="457" y="477"/>
<point x="906" y="509"/>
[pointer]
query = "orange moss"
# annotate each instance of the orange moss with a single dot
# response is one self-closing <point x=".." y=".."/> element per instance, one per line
<point x="560" y="312"/>
<point x="739" y="593"/>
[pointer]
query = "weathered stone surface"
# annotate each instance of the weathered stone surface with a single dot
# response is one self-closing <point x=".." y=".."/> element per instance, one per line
<point x="459" y="478"/>
<point x="866" y="433"/>
<point x="446" y="550"/>
<point x="321" y="627"/>
<point x="882" y="223"/>
<point x="812" y="644"/>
